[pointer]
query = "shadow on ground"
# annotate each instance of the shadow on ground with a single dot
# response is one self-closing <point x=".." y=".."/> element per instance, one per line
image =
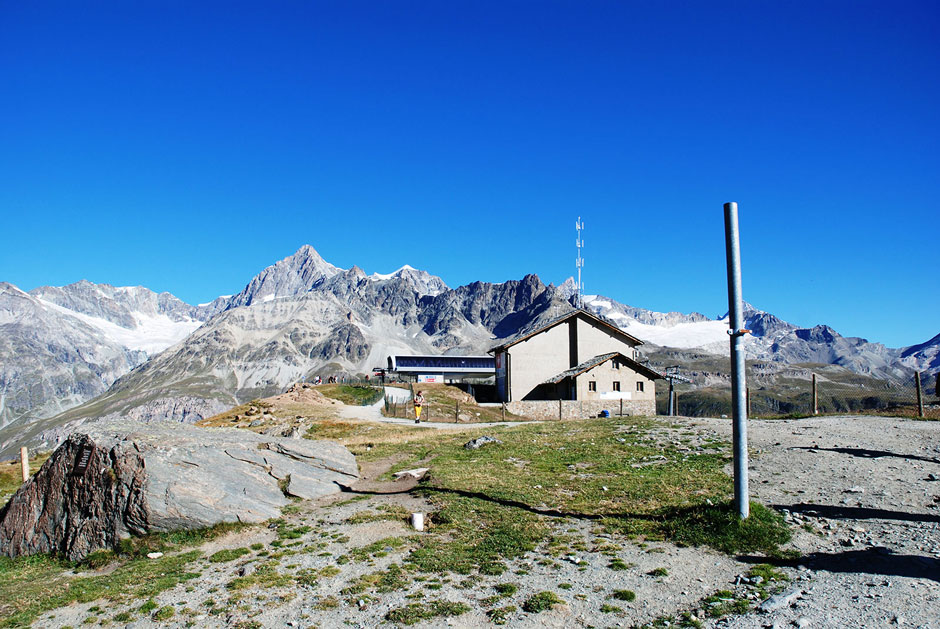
<point x="865" y="453"/>
<point x="876" y="560"/>
<point x="840" y="512"/>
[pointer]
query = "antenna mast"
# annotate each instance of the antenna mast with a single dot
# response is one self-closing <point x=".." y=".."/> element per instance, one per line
<point x="579" y="299"/>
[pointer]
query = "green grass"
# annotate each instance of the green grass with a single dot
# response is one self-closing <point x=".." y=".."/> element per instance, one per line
<point x="30" y="586"/>
<point x="414" y="613"/>
<point x="624" y="595"/>
<point x="228" y="554"/>
<point x="354" y="395"/>
<point x="389" y="580"/>
<point x="541" y="602"/>
<point x="718" y="526"/>
<point x="475" y="534"/>
<point x="500" y="615"/>
<point x="611" y="470"/>
<point x="723" y="603"/>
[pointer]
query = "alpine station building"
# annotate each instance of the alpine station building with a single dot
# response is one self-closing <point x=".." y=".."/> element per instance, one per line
<point x="574" y="366"/>
<point x="442" y="368"/>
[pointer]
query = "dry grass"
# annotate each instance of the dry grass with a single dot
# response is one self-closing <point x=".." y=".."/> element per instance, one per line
<point x="11" y="476"/>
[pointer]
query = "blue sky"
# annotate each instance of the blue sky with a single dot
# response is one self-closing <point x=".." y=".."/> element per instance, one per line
<point x="185" y="146"/>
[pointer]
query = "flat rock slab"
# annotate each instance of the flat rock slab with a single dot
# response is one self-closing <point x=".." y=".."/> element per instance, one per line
<point x="121" y="477"/>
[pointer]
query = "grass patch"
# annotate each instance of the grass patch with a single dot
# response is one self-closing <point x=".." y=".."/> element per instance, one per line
<point x="30" y="586"/>
<point x="718" y="526"/>
<point x="475" y="534"/>
<point x="500" y="615"/>
<point x="541" y="602"/>
<point x="380" y="548"/>
<point x="138" y="547"/>
<point x="352" y="394"/>
<point x="506" y="589"/>
<point x="391" y="513"/>
<point x="624" y="595"/>
<point x="389" y="580"/>
<point x="265" y="576"/>
<point x="723" y="603"/>
<point x="228" y="554"/>
<point x="164" y="613"/>
<point x="416" y="612"/>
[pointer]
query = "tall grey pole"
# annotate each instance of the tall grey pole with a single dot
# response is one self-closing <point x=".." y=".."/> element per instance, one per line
<point x="738" y="385"/>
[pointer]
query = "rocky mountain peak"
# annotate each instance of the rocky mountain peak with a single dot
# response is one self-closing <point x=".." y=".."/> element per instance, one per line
<point x="294" y="275"/>
<point x="567" y="289"/>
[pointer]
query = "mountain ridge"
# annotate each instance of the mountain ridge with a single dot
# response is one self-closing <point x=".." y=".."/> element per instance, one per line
<point x="302" y="314"/>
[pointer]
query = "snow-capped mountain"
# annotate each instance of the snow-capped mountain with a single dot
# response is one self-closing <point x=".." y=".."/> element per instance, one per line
<point x="60" y="346"/>
<point x="771" y="338"/>
<point x="422" y="281"/>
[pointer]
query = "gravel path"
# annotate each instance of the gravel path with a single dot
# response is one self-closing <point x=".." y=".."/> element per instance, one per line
<point x="862" y="495"/>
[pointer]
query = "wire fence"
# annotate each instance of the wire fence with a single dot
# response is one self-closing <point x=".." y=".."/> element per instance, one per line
<point x="913" y="396"/>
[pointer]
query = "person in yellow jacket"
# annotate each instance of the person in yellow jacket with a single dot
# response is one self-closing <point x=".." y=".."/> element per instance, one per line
<point x="418" y="402"/>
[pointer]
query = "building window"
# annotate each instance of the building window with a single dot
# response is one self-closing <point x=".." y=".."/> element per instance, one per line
<point x="616" y="386"/>
<point x="616" y="364"/>
<point x="639" y="387"/>
<point x="592" y="385"/>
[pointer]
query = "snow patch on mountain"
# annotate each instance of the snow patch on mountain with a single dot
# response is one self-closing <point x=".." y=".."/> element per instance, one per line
<point x="387" y="276"/>
<point x="700" y="334"/>
<point x="153" y="334"/>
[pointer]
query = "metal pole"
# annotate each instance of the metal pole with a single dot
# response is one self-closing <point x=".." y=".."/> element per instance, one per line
<point x="738" y="384"/>
<point x="920" y="397"/>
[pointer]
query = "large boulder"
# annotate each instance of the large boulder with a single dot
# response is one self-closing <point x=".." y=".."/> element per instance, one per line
<point x="120" y="477"/>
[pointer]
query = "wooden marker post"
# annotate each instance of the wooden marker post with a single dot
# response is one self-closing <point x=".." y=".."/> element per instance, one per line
<point x="815" y="397"/>
<point x="24" y="463"/>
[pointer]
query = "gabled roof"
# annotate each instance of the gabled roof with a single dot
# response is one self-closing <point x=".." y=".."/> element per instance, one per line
<point x="589" y="364"/>
<point x="587" y="315"/>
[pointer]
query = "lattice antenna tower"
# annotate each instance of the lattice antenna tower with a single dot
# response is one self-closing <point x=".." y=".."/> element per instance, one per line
<point x="579" y="298"/>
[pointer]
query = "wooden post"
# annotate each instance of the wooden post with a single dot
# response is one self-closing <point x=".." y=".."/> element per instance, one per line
<point x="747" y="397"/>
<point x="559" y="410"/>
<point x="504" y="411"/>
<point x="815" y="397"/>
<point x="920" y="397"/>
<point x="621" y="407"/>
<point x="456" y="411"/>
<point x="24" y="463"/>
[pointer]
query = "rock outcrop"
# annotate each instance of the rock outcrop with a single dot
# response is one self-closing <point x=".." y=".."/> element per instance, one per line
<point x="119" y="478"/>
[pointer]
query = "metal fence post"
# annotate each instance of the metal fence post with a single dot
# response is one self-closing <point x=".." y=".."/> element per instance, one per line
<point x="738" y="380"/>
<point x="920" y="397"/>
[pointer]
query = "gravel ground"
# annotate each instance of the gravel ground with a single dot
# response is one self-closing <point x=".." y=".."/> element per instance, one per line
<point x="860" y="492"/>
<point x="864" y="496"/>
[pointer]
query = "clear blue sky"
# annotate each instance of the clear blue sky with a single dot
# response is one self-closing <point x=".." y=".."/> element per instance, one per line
<point x="184" y="146"/>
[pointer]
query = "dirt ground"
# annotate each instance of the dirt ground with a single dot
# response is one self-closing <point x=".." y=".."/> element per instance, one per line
<point x="862" y="495"/>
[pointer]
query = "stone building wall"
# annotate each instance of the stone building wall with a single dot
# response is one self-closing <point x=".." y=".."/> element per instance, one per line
<point x="576" y="409"/>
